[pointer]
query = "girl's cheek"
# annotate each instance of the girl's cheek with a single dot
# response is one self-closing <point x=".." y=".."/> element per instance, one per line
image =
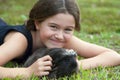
<point x="68" y="36"/>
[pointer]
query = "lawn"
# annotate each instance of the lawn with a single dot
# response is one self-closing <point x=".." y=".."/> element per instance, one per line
<point x="100" y="24"/>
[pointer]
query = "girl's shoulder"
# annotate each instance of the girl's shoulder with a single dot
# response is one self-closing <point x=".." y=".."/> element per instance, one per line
<point x="18" y="34"/>
<point x="4" y="30"/>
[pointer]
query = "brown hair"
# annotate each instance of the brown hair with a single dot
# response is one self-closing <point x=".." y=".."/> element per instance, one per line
<point x="44" y="9"/>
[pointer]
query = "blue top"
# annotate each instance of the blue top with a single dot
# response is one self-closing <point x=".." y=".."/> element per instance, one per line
<point x="4" y="29"/>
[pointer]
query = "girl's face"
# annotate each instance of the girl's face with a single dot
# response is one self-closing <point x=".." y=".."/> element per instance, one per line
<point x="56" y="31"/>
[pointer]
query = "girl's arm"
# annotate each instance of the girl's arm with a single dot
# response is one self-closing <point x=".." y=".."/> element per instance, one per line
<point x="14" y="46"/>
<point x="39" y="68"/>
<point x="14" y="72"/>
<point x="95" y="55"/>
<point x="109" y="58"/>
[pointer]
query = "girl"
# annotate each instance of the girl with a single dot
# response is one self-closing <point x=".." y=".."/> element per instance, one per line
<point x="51" y="24"/>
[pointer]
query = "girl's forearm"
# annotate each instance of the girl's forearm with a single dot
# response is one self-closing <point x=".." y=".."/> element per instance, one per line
<point x="14" y="72"/>
<point x="104" y="59"/>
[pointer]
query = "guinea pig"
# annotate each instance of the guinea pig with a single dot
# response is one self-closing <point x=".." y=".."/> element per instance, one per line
<point x="64" y="61"/>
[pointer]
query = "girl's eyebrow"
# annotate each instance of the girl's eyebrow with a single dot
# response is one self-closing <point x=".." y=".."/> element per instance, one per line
<point x="59" y="25"/>
<point x="54" y="24"/>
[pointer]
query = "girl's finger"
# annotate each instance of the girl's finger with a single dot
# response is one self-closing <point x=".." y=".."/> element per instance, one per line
<point x="44" y="68"/>
<point x="47" y="68"/>
<point x="43" y="73"/>
<point x="45" y="58"/>
<point x="47" y="63"/>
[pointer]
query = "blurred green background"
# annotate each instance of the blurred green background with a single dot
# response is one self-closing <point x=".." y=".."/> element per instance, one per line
<point x="100" y="24"/>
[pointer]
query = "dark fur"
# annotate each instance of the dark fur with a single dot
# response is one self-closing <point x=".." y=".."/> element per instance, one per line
<point x="64" y="64"/>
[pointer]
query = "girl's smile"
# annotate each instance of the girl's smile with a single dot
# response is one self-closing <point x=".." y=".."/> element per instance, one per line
<point x="57" y="42"/>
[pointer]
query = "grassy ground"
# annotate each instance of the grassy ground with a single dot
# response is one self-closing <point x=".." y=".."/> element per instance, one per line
<point x="100" y="24"/>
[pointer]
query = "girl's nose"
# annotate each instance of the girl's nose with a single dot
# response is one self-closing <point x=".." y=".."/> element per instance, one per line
<point x="59" y="35"/>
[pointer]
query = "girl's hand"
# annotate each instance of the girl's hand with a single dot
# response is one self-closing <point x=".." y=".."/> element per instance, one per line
<point x="41" y="67"/>
<point x="79" y="64"/>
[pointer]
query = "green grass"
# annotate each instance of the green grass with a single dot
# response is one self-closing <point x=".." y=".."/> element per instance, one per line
<point x="100" y="24"/>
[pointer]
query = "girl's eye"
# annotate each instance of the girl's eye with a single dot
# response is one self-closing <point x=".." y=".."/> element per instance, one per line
<point x="53" y="27"/>
<point x="69" y="30"/>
